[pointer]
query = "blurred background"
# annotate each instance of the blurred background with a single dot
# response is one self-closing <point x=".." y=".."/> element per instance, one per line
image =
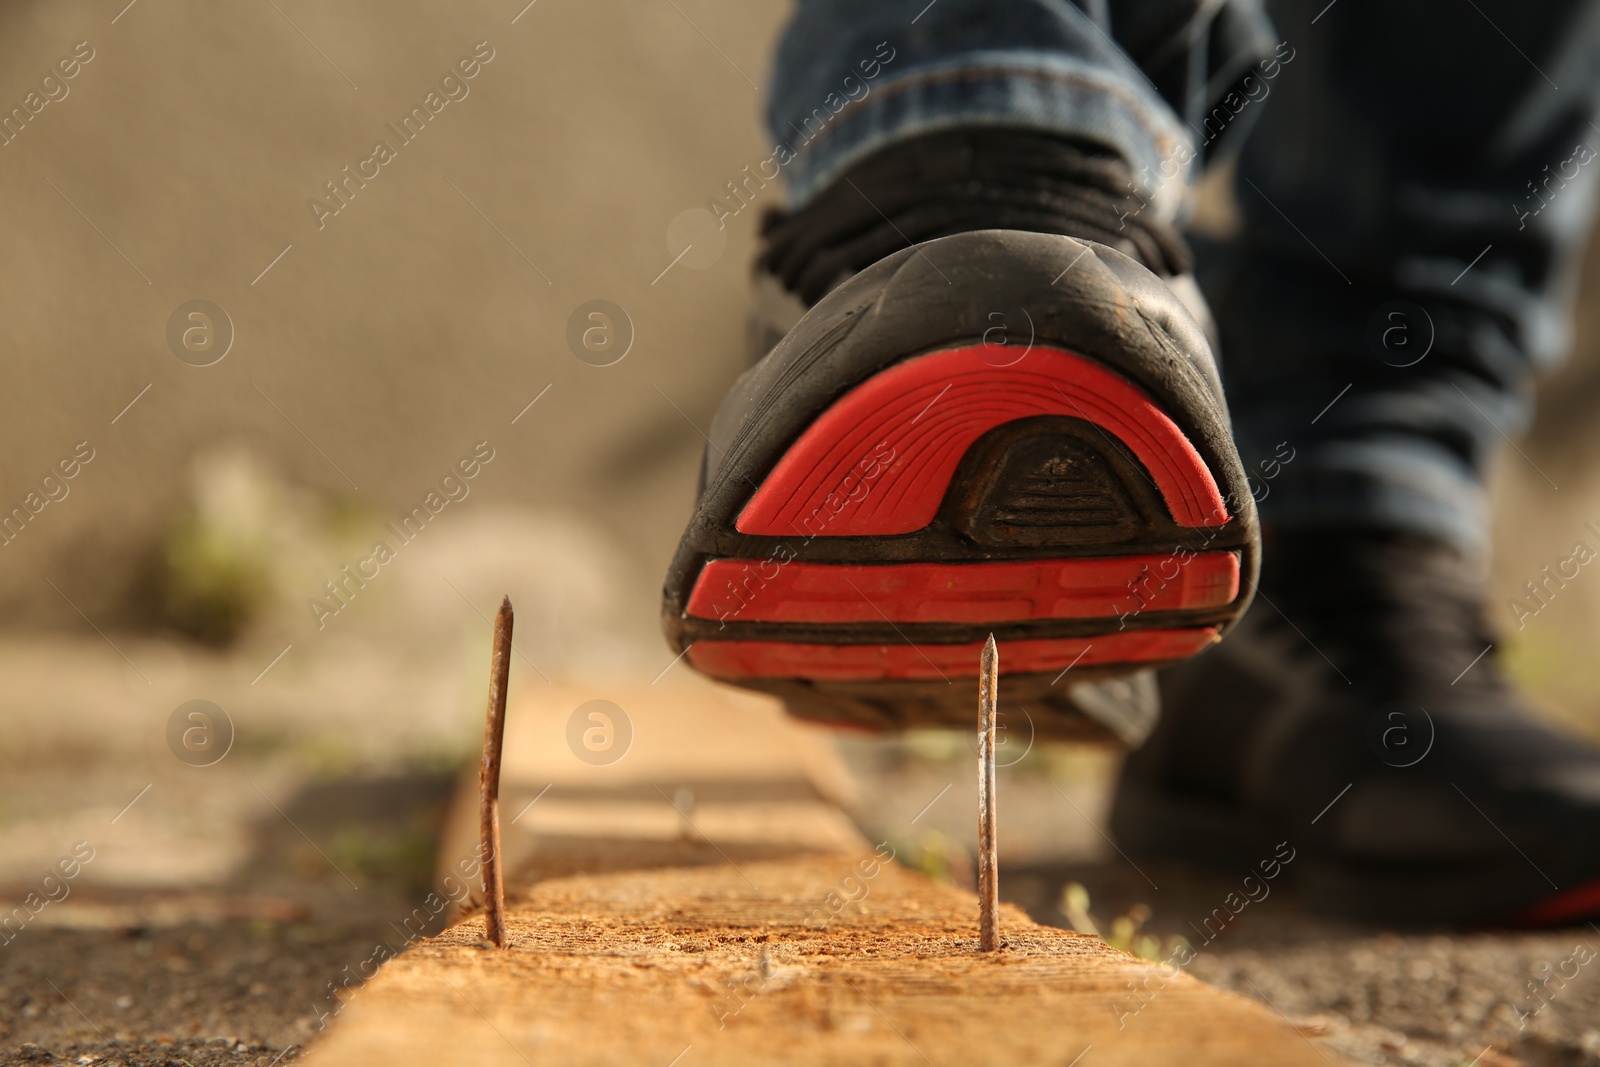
<point x="343" y="367"/>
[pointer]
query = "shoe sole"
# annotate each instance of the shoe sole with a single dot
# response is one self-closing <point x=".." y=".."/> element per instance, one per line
<point x="892" y="486"/>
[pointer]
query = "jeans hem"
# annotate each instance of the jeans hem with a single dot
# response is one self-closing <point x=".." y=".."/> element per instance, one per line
<point x="1054" y="95"/>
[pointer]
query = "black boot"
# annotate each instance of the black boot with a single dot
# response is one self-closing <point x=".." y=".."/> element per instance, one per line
<point x="1358" y="713"/>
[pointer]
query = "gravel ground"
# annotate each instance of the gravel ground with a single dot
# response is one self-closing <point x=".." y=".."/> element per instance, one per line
<point x="237" y="972"/>
<point x="1423" y="998"/>
<point x="238" y="992"/>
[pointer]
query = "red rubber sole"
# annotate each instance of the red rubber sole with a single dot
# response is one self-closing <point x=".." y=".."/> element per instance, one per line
<point x="1572" y="905"/>
<point x="932" y="408"/>
<point x="859" y="663"/>
<point x="880" y="462"/>
<point x="772" y="590"/>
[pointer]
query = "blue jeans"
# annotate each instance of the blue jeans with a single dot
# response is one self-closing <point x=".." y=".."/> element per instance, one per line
<point x="1414" y="179"/>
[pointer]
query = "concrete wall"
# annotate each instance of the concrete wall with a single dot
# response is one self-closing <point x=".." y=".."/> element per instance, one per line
<point x="392" y="336"/>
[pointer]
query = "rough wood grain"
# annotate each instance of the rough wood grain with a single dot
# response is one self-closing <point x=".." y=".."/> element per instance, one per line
<point x="768" y="933"/>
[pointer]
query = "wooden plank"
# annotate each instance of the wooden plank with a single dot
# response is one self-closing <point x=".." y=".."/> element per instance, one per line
<point x="757" y="784"/>
<point x="761" y="930"/>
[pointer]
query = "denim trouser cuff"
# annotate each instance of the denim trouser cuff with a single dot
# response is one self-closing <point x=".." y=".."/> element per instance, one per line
<point x="1054" y="94"/>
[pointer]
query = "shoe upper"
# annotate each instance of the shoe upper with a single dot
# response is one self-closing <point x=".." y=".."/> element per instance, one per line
<point x="955" y="181"/>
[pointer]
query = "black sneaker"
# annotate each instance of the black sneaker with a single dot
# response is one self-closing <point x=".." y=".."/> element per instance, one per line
<point x="1357" y="713"/>
<point x="993" y="430"/>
